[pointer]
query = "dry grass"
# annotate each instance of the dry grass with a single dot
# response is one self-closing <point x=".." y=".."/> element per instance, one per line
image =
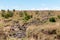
<point x="34" y="31"/>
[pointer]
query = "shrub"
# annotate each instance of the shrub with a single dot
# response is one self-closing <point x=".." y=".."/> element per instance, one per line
<point x="58" y="16"/>
<point x="37" y="12"/>
<point x="3" y="11"/>
<point x="27" y="17"/>
<point x="21" y="14"/>
<point x="7" y="15"/>
<point x="13" y="10"/>
<point x="52" y="32"/>
<point x="10" y="14"/>
<point x="4" y="15"/>
<point x="52" y="19"/>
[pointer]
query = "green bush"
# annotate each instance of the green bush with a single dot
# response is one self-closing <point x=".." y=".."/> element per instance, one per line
<point x="7" y="15"/>
<point x="4" y="15"/>
<point x="52" y="19"/>
<point x="10" y="14"/>
<point x="58" y="16"/>
<point x="26" y="16"/>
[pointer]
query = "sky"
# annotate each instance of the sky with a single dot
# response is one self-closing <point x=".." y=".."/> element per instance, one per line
<point x="30" y="4"/>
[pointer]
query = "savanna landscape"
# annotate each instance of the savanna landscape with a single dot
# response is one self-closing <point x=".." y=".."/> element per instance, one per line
<point x="29" y="25"/>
